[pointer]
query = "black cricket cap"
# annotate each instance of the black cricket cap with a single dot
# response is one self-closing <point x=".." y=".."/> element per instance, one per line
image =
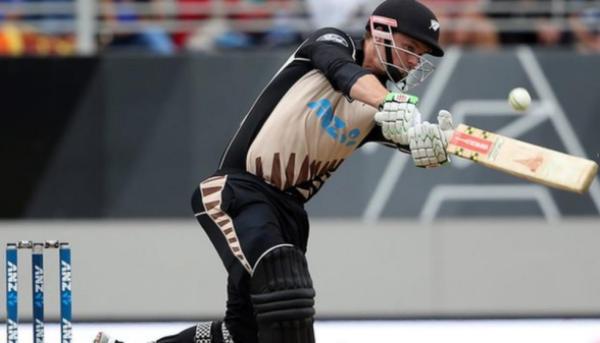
<point x="414" y="20"/>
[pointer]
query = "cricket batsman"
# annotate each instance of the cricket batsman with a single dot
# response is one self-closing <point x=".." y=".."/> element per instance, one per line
<point x="325" y="102"/>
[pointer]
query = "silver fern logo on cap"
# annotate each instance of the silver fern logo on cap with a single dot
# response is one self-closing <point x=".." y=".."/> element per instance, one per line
<point x="434" y="25"/>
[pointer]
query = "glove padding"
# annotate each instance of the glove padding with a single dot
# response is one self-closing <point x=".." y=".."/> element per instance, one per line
<point x="428" y="142"/>
<point x="395" y="118"/>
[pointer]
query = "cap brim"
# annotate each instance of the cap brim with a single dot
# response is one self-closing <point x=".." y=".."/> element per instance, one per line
<point x="435" y="49"/>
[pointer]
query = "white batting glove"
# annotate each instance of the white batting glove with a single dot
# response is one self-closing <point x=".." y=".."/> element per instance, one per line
<point x="428" y="142"/>
<point x="446" y="124"/>
<point x="396" y="115"/>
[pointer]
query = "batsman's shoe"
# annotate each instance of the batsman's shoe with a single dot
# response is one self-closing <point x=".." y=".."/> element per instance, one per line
<point x="102" y="337"/>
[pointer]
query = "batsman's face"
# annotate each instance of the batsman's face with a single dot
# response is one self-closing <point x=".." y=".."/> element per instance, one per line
<point x="408" y="52"/>
<point x="408" y="63"/>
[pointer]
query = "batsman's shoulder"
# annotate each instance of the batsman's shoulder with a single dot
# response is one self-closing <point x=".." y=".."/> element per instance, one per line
<point x="332" y="35"/>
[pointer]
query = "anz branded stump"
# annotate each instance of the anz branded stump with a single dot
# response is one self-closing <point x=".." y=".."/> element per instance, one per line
<point x="37" y="276"/>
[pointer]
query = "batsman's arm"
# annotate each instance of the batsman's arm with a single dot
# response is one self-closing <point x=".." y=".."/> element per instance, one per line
<point x="368" y="89"/>
<point x="332" y="52"/>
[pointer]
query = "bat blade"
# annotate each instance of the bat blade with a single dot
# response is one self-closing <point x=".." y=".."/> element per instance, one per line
<point x="528" y="161"/>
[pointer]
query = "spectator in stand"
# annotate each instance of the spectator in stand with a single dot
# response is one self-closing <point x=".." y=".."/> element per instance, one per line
<point x="465" y="24"/>
<point x="549" y="34"/>
<point x="586" y="29"/>
<point x="198" y="13"/>
<point x="542" y="29"/>
<point x="282" y="33"/>
<point x="11" y="42"/>
<point x="221" y="33"/>
<point x="338" y="13"/>
<point x="53" y="27"/>
<point x="17" y="38"/>
<point x="152" y="38"/>
<point x="278" y="34"/>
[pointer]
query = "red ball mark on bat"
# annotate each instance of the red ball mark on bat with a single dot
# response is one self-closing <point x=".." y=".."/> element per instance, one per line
<point x="532" y="163"/>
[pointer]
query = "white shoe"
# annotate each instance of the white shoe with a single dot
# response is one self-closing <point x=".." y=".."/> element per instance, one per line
<point x="102" y="337"/>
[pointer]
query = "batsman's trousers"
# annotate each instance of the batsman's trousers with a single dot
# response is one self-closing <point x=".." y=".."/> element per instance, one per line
<point x="246" y="218"/>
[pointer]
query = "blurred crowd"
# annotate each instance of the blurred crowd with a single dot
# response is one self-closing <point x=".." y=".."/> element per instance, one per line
<point x="26" y="32"/>
<point x="544" y="23"/>
<point x="170" y="26"/>
<point x="200" y="25"/>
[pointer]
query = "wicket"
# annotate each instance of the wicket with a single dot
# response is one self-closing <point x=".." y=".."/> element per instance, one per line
<point x="37" y="277"/>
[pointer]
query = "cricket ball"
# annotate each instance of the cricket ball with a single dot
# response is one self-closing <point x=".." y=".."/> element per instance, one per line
<point x="519" y="99"/>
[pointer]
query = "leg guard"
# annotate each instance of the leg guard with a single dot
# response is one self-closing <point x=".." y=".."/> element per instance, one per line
<point x="283" y="297"/>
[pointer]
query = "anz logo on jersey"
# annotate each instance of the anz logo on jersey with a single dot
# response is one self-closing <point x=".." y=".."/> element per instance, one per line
<point x="333" y="125"/>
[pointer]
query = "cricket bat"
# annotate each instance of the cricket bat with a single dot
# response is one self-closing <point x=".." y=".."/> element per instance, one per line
<point x="524" y="160"/>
